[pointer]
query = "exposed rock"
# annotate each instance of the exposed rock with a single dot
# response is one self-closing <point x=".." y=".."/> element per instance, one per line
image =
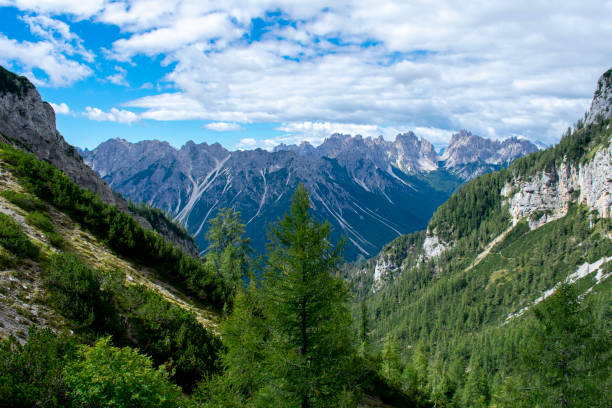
<point x="546" y="196"/>
<point x="29" y="123"/>
<point x="433" y="246"/>
<point x="465" y="148"/>
<point x="382" y="271"/>
<point x="601" y="107"/>
<point x="368" y="204"/>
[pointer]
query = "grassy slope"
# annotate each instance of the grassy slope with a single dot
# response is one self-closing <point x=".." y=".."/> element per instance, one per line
<point x="21" y="290"/>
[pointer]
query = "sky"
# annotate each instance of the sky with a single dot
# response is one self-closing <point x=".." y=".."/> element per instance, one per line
<point x="258" y="73"/>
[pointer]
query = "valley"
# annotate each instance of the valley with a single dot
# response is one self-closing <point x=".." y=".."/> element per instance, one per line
<point x="475" y="278"/>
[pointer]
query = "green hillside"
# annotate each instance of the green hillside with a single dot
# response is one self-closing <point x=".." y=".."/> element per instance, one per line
<point x="450" y="316"/>
<point x="100" y="312"/>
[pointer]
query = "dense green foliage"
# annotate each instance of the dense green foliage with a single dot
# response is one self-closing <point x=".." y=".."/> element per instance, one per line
<point x="76" y="293"/>
<point x="42" y="221"/>
<point x="24" y="200"/>
<point x="14" y="240"/>
<point x="98" y="302"/>
<point x="53" y="371"/>
<point x="122" y="233"/>
<point x="568" y="357"/>
<point x="450" y="318"/>
<point x="228" y="252"/>
<point x="106" y="376"/>
<point x="289" y="342"/>
<point x="32" y="375"/>
<point x="159" y="220"/>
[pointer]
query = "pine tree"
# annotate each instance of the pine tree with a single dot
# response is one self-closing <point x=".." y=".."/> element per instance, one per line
<point x="570" y="355"/>
<point x="305" y="307"/>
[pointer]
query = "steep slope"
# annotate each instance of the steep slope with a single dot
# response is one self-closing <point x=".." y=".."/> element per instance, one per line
<point x="371" y="190"/>
<point x="499" y="246"/>
<point x="29" y="123"/>
<point x="74" y="264"/>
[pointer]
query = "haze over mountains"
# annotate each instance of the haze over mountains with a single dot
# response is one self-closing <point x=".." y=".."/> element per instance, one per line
<point x="370" y="190"/>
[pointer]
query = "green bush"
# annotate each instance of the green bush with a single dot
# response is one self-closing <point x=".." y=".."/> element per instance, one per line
<point x="32" y="375"/>
<point x="26" y="201"/>
<point x="55" y="239"/>
<point x="13" y="239"/>
<point x="106" y="376"/>
<point x="75" y="292"/>
<point x="41" y="221"/>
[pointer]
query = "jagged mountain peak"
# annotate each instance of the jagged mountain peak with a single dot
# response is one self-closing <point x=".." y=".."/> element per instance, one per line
<point x="601" y="106"/>
<point x="466" y="147"/>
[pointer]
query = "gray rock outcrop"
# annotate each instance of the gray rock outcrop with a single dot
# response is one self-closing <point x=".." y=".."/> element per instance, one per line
<point x="29" y="123"/>
<point x="601" y="107"/>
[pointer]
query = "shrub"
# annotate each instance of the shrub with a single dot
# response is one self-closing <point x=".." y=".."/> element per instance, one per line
<point x="32" y="375"/>
<point x="106" y="376"/>
<point x="75" y="292"/>
<point x="23" y="200"/>
<point x="13" y="239"/>
<point x="41" y="221"/>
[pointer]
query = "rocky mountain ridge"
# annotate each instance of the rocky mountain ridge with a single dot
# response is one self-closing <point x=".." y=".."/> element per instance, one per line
<point x="367" y="204"/>
<point x="26" y="121"/>
<point x="411" y="154"/>
<point x="371" y="190"/>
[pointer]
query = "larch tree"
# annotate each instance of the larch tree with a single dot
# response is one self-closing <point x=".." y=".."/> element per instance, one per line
<point x="305" y="306"/>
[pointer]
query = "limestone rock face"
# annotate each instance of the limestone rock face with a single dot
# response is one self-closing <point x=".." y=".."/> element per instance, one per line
<point x="601" y="107"/>
<point x="546" y="196"/>
<point x="466" y="148"/>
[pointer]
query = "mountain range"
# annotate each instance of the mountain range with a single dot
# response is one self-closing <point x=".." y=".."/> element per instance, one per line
<point x="370" y="190"/>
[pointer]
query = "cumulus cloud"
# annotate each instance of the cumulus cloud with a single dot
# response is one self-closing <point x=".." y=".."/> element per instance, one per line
<point x="114" y="115"/>
<point x="497" y="68"/>
<point x="60" y="70"/>
<point x="80" y="9"/>
<point x="60" y="109"/>
<point x="223" y="126"/>
<point x="60" y="54"/>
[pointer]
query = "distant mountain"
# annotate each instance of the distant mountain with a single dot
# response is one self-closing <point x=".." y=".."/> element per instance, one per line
<point x="26" y="121"/>
<point x="370" y="190"/>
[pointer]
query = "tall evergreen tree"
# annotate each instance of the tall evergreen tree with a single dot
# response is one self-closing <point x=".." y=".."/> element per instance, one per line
<point x="228" y="252"/>
<point x="569" y="355"/>
<point x="305" y="306"/>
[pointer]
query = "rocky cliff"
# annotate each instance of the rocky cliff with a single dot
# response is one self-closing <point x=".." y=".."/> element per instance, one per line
<point x="26" y="121"/>
<point x="601" y="107"/>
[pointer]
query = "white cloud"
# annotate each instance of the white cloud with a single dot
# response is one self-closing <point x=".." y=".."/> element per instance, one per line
<point x="118" y="78"/>
<point x="223" y="126"/>
<point x="247" y="143"/>
<point x="60" y="109"/>
<point x="114" y="115"/>
<point x="60" y="70"/>
<point x="496" y="68"/>
<point x="79" y="8"/>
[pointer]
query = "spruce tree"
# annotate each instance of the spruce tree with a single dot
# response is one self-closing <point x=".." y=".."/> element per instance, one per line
<point x="305" y="308"/>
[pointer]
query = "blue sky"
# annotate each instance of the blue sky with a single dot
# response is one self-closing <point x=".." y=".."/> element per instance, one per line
<point x="257" y="73"/>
